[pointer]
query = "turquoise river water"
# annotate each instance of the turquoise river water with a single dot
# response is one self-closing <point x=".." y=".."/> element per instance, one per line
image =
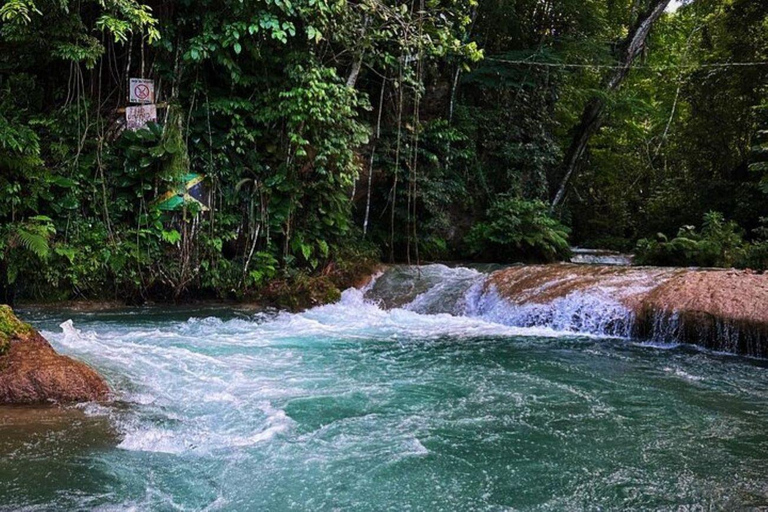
<point x="355" y="406"/>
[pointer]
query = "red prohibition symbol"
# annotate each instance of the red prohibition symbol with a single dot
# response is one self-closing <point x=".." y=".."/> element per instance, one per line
<point x="141" y="91"/>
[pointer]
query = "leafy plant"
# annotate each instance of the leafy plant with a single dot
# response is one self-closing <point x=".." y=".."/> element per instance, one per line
<point x="32" y="235"/>
<point x="518" y="230"/>
<point x="23" y="245"/>
<point x="718" y="244"/>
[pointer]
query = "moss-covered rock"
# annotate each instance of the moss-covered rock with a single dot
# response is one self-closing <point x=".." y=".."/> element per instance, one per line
<point x="11" y="327"/>
<point x="31" y="372"/>
<point x="301" y="292"/>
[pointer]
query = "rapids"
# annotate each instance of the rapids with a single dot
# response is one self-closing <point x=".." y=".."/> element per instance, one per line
<point x="425" y="391"/>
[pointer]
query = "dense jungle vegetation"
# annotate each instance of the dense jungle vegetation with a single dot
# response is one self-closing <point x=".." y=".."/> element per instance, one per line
<point x="333" y="132"/>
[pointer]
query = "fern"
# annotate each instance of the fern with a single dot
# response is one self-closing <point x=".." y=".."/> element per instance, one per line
<point x="36" y="243"/>
<point x="33" y="235"/>
<point x="518" y="229"/>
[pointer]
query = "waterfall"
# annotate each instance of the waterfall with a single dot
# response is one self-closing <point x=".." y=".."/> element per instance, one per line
<point x="627" y="302"/>
<point x="461" y="291"/>
<point x="599" y="257"/>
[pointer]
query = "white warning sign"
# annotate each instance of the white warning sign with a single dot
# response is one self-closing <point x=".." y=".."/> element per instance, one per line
<point x="142" y="90"/>
<point x="137" y="118"/>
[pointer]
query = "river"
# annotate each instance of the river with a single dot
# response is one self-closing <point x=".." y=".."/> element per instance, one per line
<point x="411" y="395"/>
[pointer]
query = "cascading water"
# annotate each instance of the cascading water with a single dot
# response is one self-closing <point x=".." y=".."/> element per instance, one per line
<point x="599" y="257"/>
<point x="428" y="289"/>
<point x="581" y="312"/>
<point x="580" y="299"/>
<point x="466" y="292"/>
<point x="429" y="390"/>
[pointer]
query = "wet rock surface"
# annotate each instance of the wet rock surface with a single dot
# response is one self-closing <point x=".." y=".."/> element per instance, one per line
<point x="721" y="309"/>
<point x="725" y="310"/>
<point x="31" y="372"/>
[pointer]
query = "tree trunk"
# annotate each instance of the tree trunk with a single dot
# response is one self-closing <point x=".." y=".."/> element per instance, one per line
<point x="592" y="116"/>
<point x="357" y="64"/>
<point x="355" y="71"/>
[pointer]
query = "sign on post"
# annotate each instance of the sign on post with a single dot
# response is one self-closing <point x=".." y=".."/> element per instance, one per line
<point x="137" y="117"/>
<point x="142" y="91"/>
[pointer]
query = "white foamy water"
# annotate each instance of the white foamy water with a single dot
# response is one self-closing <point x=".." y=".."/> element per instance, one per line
<point x="191" y="368"/>
<point x="465" y="292"/>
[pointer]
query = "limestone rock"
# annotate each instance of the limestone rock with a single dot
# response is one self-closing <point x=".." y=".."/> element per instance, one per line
<point x="31" y="372"/>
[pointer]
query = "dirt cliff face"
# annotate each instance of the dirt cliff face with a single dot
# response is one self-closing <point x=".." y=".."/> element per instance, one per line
<point x="31" y="372"/>
<point x="716" y="308"/>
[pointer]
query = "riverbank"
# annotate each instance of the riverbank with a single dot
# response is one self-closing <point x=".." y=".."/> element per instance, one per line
<point x="292" y="291"/>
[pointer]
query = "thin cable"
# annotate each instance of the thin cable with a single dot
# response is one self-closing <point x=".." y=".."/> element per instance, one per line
<point x="615" y="66"/>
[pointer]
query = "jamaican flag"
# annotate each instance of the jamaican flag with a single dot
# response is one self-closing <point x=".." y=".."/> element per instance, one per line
<point x="190" y="189"/>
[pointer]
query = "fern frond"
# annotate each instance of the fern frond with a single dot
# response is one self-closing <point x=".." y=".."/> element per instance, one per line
<point x="34" y="242"/>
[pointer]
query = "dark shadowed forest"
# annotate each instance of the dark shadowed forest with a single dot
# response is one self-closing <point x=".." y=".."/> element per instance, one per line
<point x="298" y="141"/>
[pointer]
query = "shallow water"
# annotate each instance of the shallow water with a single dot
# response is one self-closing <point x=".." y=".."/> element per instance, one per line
<point x="354" y="407"/>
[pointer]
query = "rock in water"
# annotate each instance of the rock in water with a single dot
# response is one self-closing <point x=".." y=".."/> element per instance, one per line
<point x="720" y="309"/>
<point x="725" y="310"/>
<point x="31" y="372"/>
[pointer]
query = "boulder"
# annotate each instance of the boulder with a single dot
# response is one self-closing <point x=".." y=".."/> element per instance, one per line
<point x="720" y="309"/>
<point x="724" y="310"/>
<point x="31" y="372"/>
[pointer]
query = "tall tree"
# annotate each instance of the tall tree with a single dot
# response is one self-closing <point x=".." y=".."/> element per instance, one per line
<point x="592" y="117"/>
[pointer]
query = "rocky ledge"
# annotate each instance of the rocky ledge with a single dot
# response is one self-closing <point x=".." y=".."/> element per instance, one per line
<point x="31" y="372"/>
<point x="720" y="309"/>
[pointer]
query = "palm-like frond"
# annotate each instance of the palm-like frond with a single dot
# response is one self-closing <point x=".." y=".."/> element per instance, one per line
<point x="35" y="242"/>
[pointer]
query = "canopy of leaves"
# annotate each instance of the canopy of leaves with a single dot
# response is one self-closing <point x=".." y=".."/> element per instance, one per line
<point x="430" y="129"/>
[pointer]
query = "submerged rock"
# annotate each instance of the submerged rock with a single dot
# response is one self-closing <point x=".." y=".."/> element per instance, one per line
<point x="31" y="372"/>
<point x="720" y="309"/>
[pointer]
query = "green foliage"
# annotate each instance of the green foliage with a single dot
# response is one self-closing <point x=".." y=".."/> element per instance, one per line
<point x="755" y="256"/>
<point x="677" y="138"/>
<point x="11" y="327"/>
<point x="718" y="244"/>
<point x="290" y="110"/>
<point x="758" y="158"/>
<point x="301" y="291"/>
<point x="152" y="153"/>
<point x="19" y="11"/>
<point x="24" y="245"/>
<point x="267" y="268"/>
<point x="259" y="104"/>
<point x="518" y="230"/>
